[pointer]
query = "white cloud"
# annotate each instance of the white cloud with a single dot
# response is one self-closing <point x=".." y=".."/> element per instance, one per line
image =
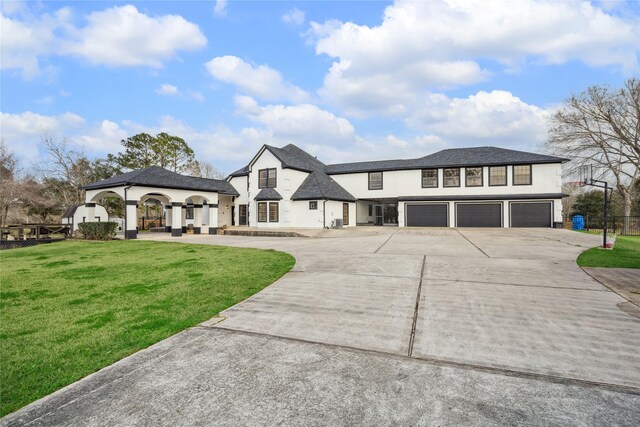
<point x="124" y="37"/>
<point x="422" y="46"/>
<point x="486" y="118"/>
<point x="260" y="81"/>
<point x="22" y="132"/>
<point x="294" y="17"/>
<point x="304" y="123"/>
<point x="220" y="8"/>
<point x="120" y="36"/>
<point x="167" y="89"/>
<point x="24" y="41"/>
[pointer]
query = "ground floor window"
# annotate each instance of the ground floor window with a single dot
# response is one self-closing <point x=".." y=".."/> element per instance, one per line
<point x="273" y="212"/>
<point x="262" y="212"/>
<point x="345" y="213"/>
<point x="313" y="205"/>
<point x="242" y="214"/>
<point x="189" y="213"/>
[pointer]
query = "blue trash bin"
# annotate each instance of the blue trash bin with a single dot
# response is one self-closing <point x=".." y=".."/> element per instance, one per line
<point x="578" y="222"/>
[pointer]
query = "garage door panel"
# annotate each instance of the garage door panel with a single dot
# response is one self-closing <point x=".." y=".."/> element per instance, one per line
<point x="479" y="215"/>
<point x="530" y="214"/>
<point x="428" y="215"/>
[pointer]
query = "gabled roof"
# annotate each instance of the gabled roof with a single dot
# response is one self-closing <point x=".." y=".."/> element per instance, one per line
<point x="70" y="211"/>
<point x="156" y="176"/>
<point x="268" y="194"/>
<point x="296" y="158"/>
<point x="318" y="186"/>
<point x="452" y="157"/>
<point x="240" y="172"/>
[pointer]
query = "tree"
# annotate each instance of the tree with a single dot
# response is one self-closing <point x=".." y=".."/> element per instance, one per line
<point x="590" y="203"/>
<point x="40" y="200"/>
<point x="164" y="150"/>
<point x="68" y="170"/>
<point x="9" y="184"/>
<point x="602" y="127"/>
<point x="205" y="170"/>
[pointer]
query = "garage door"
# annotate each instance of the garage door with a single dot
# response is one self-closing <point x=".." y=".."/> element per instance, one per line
<point x="479" y="215"/>
<point x="432" y="215"/>
<point x="531" y="214"/>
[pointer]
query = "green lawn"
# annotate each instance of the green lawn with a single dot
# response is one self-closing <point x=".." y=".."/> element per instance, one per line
<point x="625" y="254"/>
<point x="68" y="309"/>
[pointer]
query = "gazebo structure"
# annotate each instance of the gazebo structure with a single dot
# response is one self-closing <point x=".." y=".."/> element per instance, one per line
<point x="209" y="198"/>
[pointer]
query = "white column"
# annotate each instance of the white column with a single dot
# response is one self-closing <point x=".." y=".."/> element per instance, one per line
<point x="91" y="212"/>
<point x="167" y="226"/>
<point x="132" y="219"/>
<point x="176" y="226"/>
<point x="197" y="219"/>
<point x="213" y="218"/>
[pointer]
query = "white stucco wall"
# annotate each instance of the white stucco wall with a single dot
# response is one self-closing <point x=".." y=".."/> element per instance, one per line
<point x="546" y="178"/>
<point x="82" y="215"/>
<point x="224" y="211"/>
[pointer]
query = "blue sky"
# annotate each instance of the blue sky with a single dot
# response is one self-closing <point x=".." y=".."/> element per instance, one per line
<point x="344" y="80"/>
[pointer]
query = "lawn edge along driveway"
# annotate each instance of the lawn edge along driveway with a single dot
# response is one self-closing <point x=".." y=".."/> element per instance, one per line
<point x="625" y="254"/>
<point x="71" y="308"/>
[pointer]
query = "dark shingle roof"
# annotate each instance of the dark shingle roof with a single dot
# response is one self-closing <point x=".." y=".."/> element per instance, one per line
<point x="70" y="211"/>
<point x="318" y="186"/>
<point x="296" y="158"/>
<point x="240" y="172"/>
<point x="156" y="176"/>
<point x="453" y="157"/>
<point x="268" y="194"/>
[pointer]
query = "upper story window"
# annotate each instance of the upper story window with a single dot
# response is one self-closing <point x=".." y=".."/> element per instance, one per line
<point x="473" y="177"/>
<point x="522" y="175"/>
<point x="375" y="180"/>
<point x="429" y="178"/>
<point x="451" y="177"/>
<point x="497" y="175"/>
<point x="267" y="178"/>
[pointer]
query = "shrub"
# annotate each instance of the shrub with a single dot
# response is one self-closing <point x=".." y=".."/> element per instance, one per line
<point x="98" y="230"/>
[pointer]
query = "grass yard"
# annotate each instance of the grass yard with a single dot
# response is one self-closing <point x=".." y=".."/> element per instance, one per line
<point x="70" y="308"/>
<point x="625" y="254"/>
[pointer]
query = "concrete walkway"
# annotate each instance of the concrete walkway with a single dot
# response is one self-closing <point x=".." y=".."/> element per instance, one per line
<point x="388" y="326"/>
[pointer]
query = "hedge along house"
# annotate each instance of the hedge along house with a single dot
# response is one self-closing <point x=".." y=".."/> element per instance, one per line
<point x="208" y="201"/>
<point x="463" y="187"/>
<point x="76" y="214"/>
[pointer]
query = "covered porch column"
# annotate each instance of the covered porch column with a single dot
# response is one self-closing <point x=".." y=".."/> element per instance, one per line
<point x="197" y="219"/>
<point x="213" y="218"/>
<point x="176" y="214"/>
<point x="131" y="218"/>
<point x="167" y="222"/>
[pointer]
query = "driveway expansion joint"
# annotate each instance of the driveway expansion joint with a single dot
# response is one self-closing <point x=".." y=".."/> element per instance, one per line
<point x="480" y="282"/>
<point x="474" y="245"/>
<point x="412" y="337"/>
<point x="436" y="361"/>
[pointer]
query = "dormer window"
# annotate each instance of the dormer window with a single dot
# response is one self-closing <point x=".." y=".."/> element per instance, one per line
<point x="267" y="178"/>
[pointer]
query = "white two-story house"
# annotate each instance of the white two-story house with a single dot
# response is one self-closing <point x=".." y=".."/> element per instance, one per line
<point x="465" y="187"/>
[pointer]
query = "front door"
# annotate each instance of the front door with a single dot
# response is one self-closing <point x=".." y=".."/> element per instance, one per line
<point x="242" y="213"/>
<point x="378" y="215"/>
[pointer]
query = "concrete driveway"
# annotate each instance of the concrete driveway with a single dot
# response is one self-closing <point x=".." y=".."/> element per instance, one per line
<point x="388" y="326"/>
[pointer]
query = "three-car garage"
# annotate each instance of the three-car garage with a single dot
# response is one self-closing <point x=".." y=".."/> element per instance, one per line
<point x="504" y="213"/>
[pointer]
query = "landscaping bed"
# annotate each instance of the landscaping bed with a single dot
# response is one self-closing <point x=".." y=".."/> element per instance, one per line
<point x="71" y="308"/>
